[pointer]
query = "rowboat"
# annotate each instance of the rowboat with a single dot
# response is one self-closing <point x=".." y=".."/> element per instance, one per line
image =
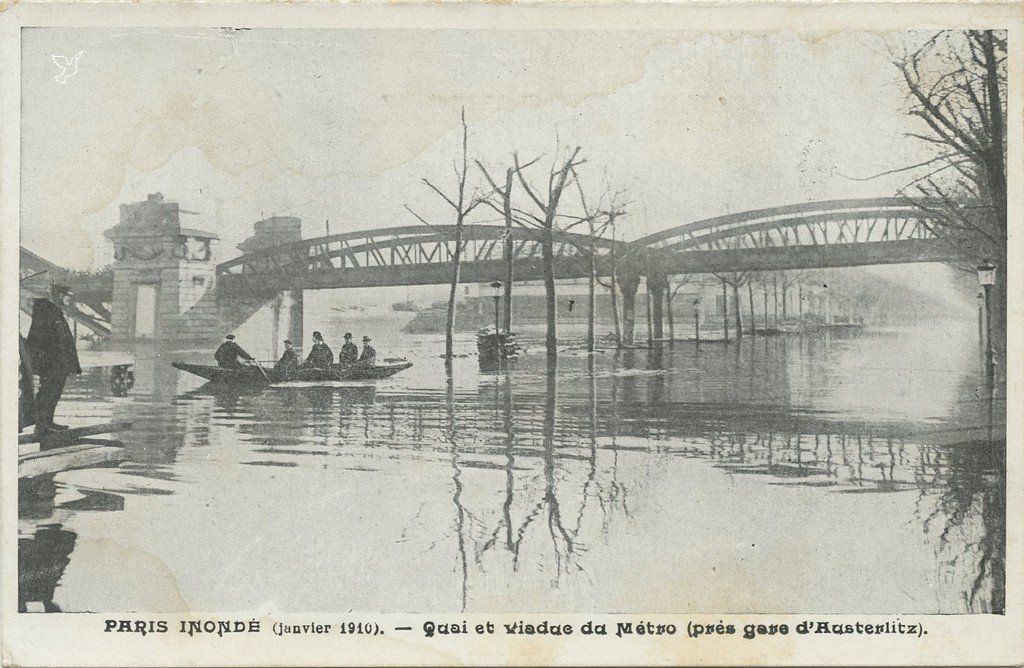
<point x="262" y="375"/>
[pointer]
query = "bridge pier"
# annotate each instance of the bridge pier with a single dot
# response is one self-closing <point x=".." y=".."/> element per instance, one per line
<point x="657" y="285"/>
<point x="287" y="311"/>
<point x="628" y="284"/>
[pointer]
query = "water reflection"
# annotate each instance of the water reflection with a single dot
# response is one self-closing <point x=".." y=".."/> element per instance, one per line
<point x="41" y="563"/>
<point x="534" y="489"/>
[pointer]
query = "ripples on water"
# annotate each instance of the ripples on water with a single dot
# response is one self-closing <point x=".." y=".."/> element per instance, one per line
<point x="787" y="474"/>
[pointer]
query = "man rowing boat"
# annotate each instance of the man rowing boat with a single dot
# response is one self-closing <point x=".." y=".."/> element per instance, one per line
<point x="229" y="352"/>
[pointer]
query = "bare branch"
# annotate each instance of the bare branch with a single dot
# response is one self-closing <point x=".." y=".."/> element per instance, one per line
<point x="900" y="169"/>
<point x="420" y="218"/>
<point x="526" y="186"/>
<point x="441" y="194"/>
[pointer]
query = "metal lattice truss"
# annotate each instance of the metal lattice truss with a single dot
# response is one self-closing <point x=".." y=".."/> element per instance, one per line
<point x="811" y="224"/>
<point x="816" y="234"/>
<point x="413" y="246"/>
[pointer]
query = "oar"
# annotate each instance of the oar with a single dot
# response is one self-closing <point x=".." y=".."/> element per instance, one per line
<point x="265" y="376"/>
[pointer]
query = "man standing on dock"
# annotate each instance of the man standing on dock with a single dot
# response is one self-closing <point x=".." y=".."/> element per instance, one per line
<point x="54" y="355"/>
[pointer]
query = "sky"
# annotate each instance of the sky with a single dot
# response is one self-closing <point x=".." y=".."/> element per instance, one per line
<point x="342" y="125"/>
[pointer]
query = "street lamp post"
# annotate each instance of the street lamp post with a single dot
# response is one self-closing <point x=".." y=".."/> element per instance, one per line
<point x="696" y="318"/>
<point x="981" y="321"/>
<point x="497" y="309"/>
<point x="987" y="278"/>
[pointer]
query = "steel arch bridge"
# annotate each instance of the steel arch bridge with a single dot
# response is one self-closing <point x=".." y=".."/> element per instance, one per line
<point x="835" y="233"/>
<point x="412" y="255"/>
<point x="813" y="223"/>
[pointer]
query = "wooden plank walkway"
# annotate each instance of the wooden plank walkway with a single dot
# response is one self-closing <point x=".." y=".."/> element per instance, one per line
<point x="68" y="450"/>
<point x="68" y="436"/>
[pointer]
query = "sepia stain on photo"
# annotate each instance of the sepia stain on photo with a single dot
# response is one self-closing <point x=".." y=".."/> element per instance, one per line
<point x="490" y="321"/>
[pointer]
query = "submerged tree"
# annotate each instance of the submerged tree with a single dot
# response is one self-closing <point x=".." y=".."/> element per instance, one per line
<point x="504" y="207"/>
<point x="547" y="204"/>
<point x="462" y="208"/>
<point x="734" y="280"/>
<point x="598" y="219"/>
<point x="611" y="215"/>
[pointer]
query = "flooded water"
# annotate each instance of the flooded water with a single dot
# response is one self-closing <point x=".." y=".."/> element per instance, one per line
<point x="840" y="473"/>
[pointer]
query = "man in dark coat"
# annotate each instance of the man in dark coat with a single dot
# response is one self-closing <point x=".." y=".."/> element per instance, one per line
<point x="349" y="351"/>
<point x="54" y="356"/>
<point x="26" y="387"/>
<point x="227" y="354"/>
<point x="321" y="356"/>
<point x="289" y="362"/>
<point x="369" y="356"/>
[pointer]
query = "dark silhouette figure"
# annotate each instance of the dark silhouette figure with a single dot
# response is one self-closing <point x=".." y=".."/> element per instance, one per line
<point x="289" y="362"/>
<point x="26" y="387"/>
<point x="54" y="357"/>
<point x="369" y="355"/>
<point x="229" y="352"/>
<point x="321" y="356"/>
<point x="349" y="352"/>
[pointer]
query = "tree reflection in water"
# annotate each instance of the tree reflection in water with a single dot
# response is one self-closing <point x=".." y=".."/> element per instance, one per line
<point x="965" y="482"/>
<point x="452" y="436"/>
<point x="534" y="455"/>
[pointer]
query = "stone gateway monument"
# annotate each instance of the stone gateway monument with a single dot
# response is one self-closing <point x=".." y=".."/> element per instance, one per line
<point x="165" y="277"/>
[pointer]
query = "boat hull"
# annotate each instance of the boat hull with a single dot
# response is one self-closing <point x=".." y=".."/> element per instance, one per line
<point x="251" y="375"/>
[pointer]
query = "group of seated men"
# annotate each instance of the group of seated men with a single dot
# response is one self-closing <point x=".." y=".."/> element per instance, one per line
<point x="229" y="354"/>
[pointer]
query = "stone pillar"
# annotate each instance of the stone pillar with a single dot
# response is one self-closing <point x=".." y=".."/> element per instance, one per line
<point x="293" y="299"/>
<point x="628" y="285"/>
<point x="275" y="326"/>
<point x="657" y="285"/>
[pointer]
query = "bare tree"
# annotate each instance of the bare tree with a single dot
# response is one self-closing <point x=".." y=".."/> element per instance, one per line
<point x="734" y="280"/>
<point x="750" y="302"/>
<point x="462" y="208"/>
<point x="612" y="214"/>
<point x="547" y="205"/>
<point x="505" y="209"/>
<point x="957" y="84"/>
<point x="598" y="219"/>
<point x="670" y="294"/>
